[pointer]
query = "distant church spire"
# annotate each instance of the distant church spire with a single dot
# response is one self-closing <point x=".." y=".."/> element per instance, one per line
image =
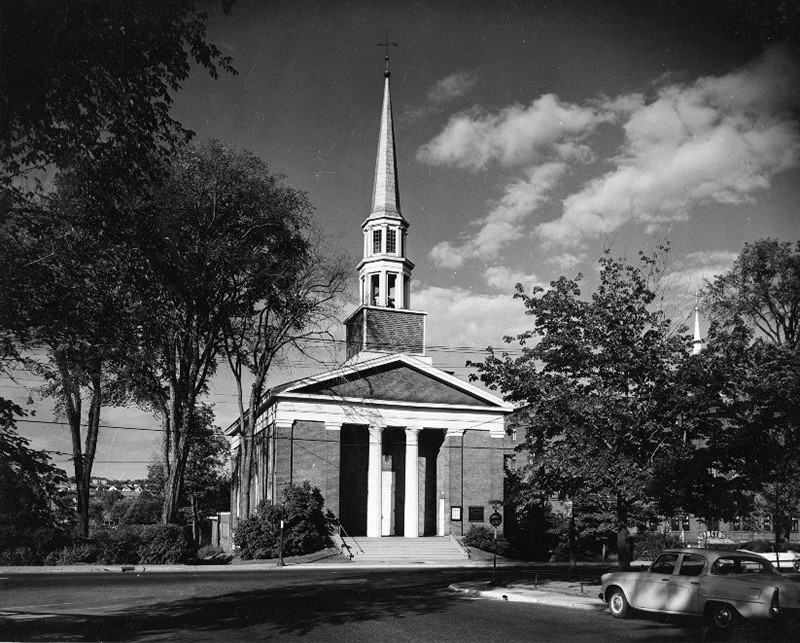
<point x="697" y="343"/>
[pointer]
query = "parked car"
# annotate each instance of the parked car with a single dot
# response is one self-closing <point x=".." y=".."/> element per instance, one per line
<point x="722" y="586"/>
<point x="787" y="559"/>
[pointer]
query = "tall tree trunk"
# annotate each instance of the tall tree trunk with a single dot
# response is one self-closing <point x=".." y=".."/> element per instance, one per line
<point x="82" y="457"/>
<point x="195" y="522"/>
<point x="248" y="447"/>
<point x="623" y="553"/>
<point x="179" y="453"/>
<point x="573" y="554"/>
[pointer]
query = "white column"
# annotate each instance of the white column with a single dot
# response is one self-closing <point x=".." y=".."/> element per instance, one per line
<point x="383" y="295"/>
<point x="400" y="291"/>
<point x="374" y="482"/>
<point x="411" y="514"/>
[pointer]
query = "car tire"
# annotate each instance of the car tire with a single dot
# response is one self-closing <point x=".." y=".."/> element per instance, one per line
<point x="723" y="617"/>
<point x="617" y="603"/>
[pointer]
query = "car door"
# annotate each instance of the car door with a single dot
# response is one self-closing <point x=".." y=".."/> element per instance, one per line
<point x="652" y="586"/>
<point x="684" y="587"/>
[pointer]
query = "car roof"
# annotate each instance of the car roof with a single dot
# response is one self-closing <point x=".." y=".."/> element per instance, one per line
<point x="713" y="554"/>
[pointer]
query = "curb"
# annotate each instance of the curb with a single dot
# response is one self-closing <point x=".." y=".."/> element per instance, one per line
<point x="244" y="567"/>
<point x="554" y="600"/>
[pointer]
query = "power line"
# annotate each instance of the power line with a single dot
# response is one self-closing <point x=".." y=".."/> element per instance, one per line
<point x="102" y="426"/>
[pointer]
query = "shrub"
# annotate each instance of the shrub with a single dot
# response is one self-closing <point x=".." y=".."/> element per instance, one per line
<point x="482" y="537"/>
<point x="650" y="544"/>
<point x="117" y="546"/>
<point x="143" y="545"/>
<point x="306" y="527"/>
<point x="19" y="556"/>
<point x="29" y="547"/>
<point x="80" y="552"/>
<point x="145" y="510"/>
<point x="163" y="545"/>
<point x="209" y="551"/>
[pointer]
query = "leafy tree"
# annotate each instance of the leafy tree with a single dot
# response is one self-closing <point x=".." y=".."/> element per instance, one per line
<point x="84" y="88"/>
<point x="206" y="488"/>
<point x="282" y="307"/>
<point x="86" y="80"/>
<point x="67" y="313"/>
<point x="598" y="388"/>
<point x="761" y="290"/>
<point x="30" y="500"/>
<point x="752" y="359"/>
<point x="201" y="235"/>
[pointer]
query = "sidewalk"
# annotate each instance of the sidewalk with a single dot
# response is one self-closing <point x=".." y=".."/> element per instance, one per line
<point x="551" y="592"/>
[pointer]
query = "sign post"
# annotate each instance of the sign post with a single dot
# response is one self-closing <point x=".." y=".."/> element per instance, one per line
<point x="280" y="540"/>
<point x="495" y="520"/>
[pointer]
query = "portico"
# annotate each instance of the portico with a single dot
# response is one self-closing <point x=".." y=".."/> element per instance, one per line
<point x="384" y="440"/>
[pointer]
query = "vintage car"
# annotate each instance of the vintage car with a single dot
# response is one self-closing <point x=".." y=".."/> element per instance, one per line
<point x="722" y="586"/>
<point x="787" y="559"/>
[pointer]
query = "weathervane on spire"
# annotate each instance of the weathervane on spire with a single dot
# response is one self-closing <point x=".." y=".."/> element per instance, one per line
<point x="387" y="44"/>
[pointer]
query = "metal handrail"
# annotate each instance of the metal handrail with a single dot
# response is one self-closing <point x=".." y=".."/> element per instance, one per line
<point x="454" y="539"/>
<point x="341" y="530"/>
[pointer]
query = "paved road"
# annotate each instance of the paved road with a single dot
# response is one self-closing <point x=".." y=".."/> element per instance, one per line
<point x="286" y="604"/>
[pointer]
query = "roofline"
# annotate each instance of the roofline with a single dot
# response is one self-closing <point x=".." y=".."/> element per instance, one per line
<point x="399" y="403"/>
<point x="409" y="361"/>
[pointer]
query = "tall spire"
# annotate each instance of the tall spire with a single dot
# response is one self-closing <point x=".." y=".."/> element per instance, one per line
<point x="386" y="189"/>
<point x="697" y="342"/>
<point x="385" y="322"/>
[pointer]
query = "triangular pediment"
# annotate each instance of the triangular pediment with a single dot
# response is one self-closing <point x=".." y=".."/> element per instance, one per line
<point x="395" y="379"/>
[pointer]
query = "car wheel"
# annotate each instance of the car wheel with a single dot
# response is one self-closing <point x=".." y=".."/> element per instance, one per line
<point x="722" y="616"/>
<point x="797" y="565"/>
<point x="618" y="604"/>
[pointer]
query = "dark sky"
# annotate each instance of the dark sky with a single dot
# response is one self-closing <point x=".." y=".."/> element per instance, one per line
<point x="530" y="136"/>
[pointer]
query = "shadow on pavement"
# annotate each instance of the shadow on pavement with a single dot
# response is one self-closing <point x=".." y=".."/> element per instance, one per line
<point x="295" y="611"/>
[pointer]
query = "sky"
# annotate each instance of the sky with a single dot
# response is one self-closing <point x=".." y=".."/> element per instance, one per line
<point x="530" y="137"/>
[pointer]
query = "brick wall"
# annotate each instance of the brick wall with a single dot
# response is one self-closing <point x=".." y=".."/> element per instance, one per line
<point x="483" y="476"/>
<point x="307" y="451"/>
<point x="388" y="330"/>
<point x="395" y="331"/>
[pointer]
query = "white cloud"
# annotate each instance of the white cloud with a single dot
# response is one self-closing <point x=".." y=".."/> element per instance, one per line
<point x="505" y="279"/>
<point x="444" y="91"/>
<point x="566" y="260"/>
<point x="451" y="87"/>
<point x="505" y="223"/>
<point x="718" y="139"/>
<point x="689" y="275"/>
<point x="515" y="136"/>
<point x="458" y="317"/>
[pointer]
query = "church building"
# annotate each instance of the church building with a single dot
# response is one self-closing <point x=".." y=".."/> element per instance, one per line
<point x="396" y="446"/>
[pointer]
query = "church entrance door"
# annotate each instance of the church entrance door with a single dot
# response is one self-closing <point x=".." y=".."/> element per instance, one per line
<point x="387" y="503"/>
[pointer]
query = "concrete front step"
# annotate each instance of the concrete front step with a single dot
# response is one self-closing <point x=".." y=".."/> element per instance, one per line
<point x="396" y="548"/>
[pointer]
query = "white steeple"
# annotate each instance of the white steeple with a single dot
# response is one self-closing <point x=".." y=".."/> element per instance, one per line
<point x="384" y="322"/>
<point x="697" y="343"/>
<point x="384" y="271"/>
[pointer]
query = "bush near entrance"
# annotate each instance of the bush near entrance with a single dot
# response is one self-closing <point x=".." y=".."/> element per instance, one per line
<point x="306" y="527"/>
<point x="482" y="537"/>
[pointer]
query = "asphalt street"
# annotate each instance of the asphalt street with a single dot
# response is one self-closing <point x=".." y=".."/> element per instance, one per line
<point x="291" y="603"/>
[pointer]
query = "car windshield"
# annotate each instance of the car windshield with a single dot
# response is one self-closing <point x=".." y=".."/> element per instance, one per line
<point x="735" y="565"/>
